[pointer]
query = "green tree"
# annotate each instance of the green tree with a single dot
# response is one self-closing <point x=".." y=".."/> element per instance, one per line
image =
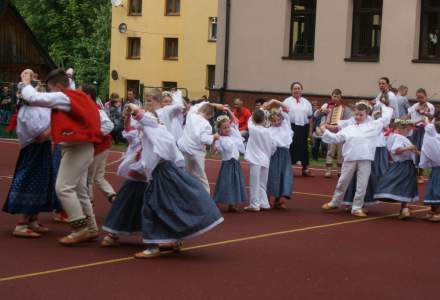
<point x="75" y="33"/>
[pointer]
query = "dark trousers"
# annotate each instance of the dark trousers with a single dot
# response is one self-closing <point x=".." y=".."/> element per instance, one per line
<point x="299" y="150"/>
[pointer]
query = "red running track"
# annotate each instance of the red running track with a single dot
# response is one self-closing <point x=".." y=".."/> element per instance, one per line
<point x="300" y="253"/>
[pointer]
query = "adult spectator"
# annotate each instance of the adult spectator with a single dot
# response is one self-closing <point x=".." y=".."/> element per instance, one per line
<point x="385" y="90"/>
<point x="259" y="103"/>
<point x="243" y="114"/>
<point x="113" y="108"/>
<point x="300" y="114"/>
<point x="70" y="73"/>
<point x="131" y="98"/>
<point x="402" y="102"/>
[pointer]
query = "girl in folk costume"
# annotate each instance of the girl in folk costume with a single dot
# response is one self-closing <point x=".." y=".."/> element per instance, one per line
<point x="32" y="189"/>
<point x="96" y="173"/>
<point x="75" y="124"/>
<point x="197" y="134"/>
<point x="418" y="113"/>
<point x="300" y="114"/>
<point x="358" y="150"/>
<point x="259" y="150"/>
<point x="171" y="111"/>
<point x="230" y="188"/>
<point x="333" y="112"/>
<point x="280" y="182"/>
<point x="176" y="205"/>
<point x="430" y="158"/>
<point x="399" y="184"/>
<point x="125" y="215"/>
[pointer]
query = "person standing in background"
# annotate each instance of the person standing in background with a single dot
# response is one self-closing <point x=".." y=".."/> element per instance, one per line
<point x="243" y="115"/>
<point x="70" y="73"/>
<point x="402" y="102"/>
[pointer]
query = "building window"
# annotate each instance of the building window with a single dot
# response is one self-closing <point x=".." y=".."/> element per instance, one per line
<point x="172" y="7"/>
<point x="171" y="46"/>
<point x="213" y="29"/>
<point x="302" y="29"/>
<point x="135" y="8"/>
<point x="367" y="23"/>
<point x="133" y="48"/>
<point x="168" y="85"/>
<point x="430" y="30"/>
<point x="210" y="76"/>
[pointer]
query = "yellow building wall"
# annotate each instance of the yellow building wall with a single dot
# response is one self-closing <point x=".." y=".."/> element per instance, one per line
<point x="195" y="51"/>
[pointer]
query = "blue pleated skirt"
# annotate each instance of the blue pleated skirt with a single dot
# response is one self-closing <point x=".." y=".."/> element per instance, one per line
<point x="230" y="187"/>
<point x="280" y="180"/>
<point x="432" y="190"/>
<point x="125" y="215"/>
<point x="378" y="168"/>
<point x="176" y="206"/>
<point x="32" y="189"/>
<point x="399" y="183"/>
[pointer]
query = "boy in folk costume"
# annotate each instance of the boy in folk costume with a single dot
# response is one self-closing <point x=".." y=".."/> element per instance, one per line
<point x="358" y="150"/>
<point x="75" y="125"/>
<point x="333" y="112"/>
<point x="96" y="173"/>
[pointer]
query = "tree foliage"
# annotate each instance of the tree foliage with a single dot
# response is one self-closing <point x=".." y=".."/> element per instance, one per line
<point x="75" y="34"/>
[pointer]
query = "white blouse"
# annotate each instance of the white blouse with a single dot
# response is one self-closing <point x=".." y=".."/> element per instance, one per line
<point x="359" y="139"/>
<point x="389" y="113"/>
<point x="172" y="116"/>
<point x="414" y="114"/>
<point x="260" y="145"/>
<point x="196" y="135"/>
<point x="133" y="137"/>
<point x="398" y="141"/>
<point x="232" y="145"/>
<point x="282" y="135"/>
<point x="299" y="112"/>
<point x="392" y="99"/>
<point x="157" y="144"/>
<point x="32" y="121"/>
<point x="106" y="124"/>
<point x="430" y="157"/>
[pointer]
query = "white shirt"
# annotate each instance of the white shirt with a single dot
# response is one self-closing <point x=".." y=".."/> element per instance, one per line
<point x="359" y="139"/>
<point x="232" y="145"/>
<point x="345" y="123"/>
<point x="172" y="116"/>
<point x="31" y="123"/>
<point x="388" y="112"/>
<point x="392" y="99"/>
<point x="282" y="135"/>
<point x="157" y="144"/>
<point x="196" y="135"/>
<point x="72" y="84"/>
<point x="430" y="157"/>
<point x="106" y="125"/>
<point x="398" y="141"/>
<point x="414" y="114"/>
<point x="133" y="138"/>
<point x="260" y="145"/>
<point x="299" y="113"/>
<point x="54" y="100"/>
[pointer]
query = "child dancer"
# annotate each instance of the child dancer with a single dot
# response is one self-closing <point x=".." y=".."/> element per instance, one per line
<point x="259" y="150"/>
<point x="75" y="124"/>
<point x="197" y="135"/>
<point x="125" y="215"/>
<point x="230" y="188"/>
<point x="171" y="111"/>
<point x="430" y="158"/>
<point x="358" y="151"/>
<point x="32" y="188"/>
<point x="96" y="173"/>
<point x="176" y="206"/>
<point x="418" y="113"/>
<point x="280" y="181"/>
<point x="399" y="183"/>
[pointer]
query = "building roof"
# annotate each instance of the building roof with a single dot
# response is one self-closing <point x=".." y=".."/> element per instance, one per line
<point x="4" y="5"/>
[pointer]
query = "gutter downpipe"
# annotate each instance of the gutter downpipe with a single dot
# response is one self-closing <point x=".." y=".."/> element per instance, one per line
<point x="226" y="60"/>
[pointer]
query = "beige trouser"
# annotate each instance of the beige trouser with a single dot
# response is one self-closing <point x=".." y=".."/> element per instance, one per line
<point x="334" y="152"/>
<point x="195" y="165"/>
<point x="71" y="184"/>
<point x="363" y="168"/>
<point x="96" y="175"/>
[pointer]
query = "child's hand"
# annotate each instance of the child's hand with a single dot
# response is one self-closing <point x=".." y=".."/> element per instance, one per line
<point x="216" y="136"/>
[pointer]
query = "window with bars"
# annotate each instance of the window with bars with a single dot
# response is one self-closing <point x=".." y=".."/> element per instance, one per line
<point x="133" y="47"/>
<point x="172" y="7"/>
<point x="171" y="50"/>
<point x="135" y="8"/>
<point x="302" y="29"/>
<point x="210" y="76"/>
<point x="366" y="34"/>
<point x="430" y="30"/>
<point x="212" y="29"/>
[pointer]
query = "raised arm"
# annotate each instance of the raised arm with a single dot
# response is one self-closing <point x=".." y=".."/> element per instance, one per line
<point x="56" y="100"/>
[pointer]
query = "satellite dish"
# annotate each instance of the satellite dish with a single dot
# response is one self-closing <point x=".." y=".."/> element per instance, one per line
<point x="117" y="3"/>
